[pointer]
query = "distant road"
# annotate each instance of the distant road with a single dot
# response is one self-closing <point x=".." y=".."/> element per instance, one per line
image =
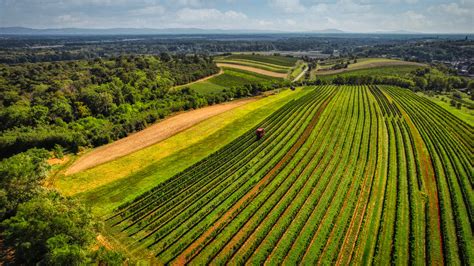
<point x="301" y="74"/>
<point x="151" y="135"/>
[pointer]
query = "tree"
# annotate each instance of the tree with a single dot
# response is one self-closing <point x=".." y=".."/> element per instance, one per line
<point x="20" y="176"/>
<point x="108" y="257"/>
<point x="49" y="228"/>
<point x="58" y="151"/>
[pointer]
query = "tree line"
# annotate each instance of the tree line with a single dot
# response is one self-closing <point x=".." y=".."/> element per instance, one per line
<point x="90" y="103"/>
<point x="421" y="79"/>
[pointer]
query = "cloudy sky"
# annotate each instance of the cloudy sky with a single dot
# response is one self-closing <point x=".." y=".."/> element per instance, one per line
<point x="287" y="15"/>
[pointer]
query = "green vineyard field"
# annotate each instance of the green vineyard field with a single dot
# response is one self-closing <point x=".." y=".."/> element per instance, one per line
<point x="344" y="174"/>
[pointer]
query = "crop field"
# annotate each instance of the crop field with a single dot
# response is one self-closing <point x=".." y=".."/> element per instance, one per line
<point x="282" y="61"/>
<point x="147" y="167"/>
<point x="277" y="64"/>
<point x="383" y="71"/>
<point x="231" y="77"/>
<point x="365" y="66"/>
<point x="344" y="174"/>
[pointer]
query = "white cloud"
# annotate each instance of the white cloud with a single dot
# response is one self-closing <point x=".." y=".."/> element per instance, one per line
<point x="288" y="6"/>
<point x="150" y="10"/>
<point x="286" y="15"/>
<point x="212" y="18"/>
<point x="451" y="8"/>
<point x="188" y="3"/>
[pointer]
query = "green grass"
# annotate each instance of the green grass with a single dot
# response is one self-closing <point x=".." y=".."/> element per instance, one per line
<point x="378" y="71"/>
<point x="269" y="59"/>
<point x="260" y="65"/>
<point x="297" y="70"/>
<point x="148" y="167"/>
<point x="464" y="113"/>
<point x="230" y="78"/>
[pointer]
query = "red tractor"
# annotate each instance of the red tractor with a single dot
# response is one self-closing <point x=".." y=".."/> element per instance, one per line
<point x="260" y="132"/>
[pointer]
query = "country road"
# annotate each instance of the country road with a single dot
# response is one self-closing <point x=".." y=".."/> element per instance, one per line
<point x="301" y="74"/>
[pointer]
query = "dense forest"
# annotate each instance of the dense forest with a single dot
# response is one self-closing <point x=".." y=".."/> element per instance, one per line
<point x="92" y="102"/>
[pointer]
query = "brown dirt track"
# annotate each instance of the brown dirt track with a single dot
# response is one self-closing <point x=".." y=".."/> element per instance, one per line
<point x="151" y="135"/>
<point x="254" y="69"/>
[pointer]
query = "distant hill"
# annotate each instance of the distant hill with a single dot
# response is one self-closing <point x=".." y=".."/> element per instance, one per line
<point x="121" y="31"/>
<point x="328" y="31"/>
<point x="398" y="32"/>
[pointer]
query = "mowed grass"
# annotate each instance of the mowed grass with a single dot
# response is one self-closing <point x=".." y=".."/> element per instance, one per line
<point x="368" y="66"/>
<point x="130" y="176"/>
<point x="267" y="59"/>
<point x="368" y="62"/>
<point x="401" y="71"/>
<point x="260" y="65"/>
<point x="230" y="78"/>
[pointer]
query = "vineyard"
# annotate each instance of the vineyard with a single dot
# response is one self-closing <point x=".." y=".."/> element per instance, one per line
<point x="278" y="64"/>
<point x="230" y="78"/>
<point x="344" y="174"/>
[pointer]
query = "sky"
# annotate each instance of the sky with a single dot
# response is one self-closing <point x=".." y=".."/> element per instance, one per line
<point x="430" y="16"/>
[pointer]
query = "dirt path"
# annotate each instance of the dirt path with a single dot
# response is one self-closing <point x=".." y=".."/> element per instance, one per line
<point x="368" y="65"/>
<point x="254" y="69"/>
<point x="301" y="74"/>
<point x="200" y="80"/>
<point x="103" y="241"/>
<point x="151" y="135"/>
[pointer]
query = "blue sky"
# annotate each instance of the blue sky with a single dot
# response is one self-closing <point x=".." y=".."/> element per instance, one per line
<point x="286" y="15"/>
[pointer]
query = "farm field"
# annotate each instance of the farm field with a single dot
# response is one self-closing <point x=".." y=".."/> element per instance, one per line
<point x="401" y="70"/>
<point x="272" y="60"/>
<point x="344" y="174"/>
<point x="229" y="78"/>
<point x="365" y="64"/>
<point x="272" y="65"/>
<point x="464" y="113"/>
<point x="106" y="186"/>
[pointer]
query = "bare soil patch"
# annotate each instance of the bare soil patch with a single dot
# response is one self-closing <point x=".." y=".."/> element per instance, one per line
<point x="151" y="135"/>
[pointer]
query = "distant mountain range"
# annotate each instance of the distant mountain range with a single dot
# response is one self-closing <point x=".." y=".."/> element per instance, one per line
<point x="140" y="31"/>
<point x="170" y="31"/>
<point x="121" y="31"/>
